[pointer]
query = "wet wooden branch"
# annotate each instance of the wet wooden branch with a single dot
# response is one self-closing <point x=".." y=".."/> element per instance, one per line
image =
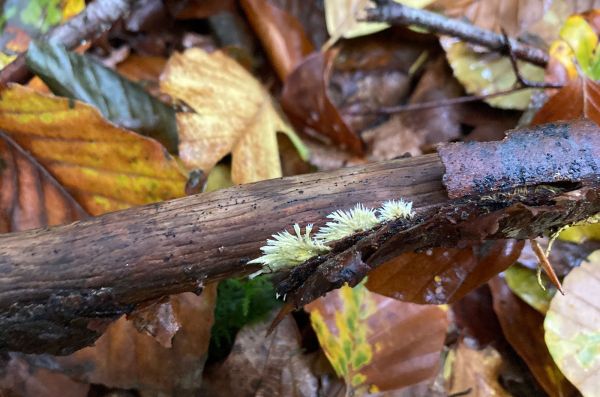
<point x="54" y="281"/>
<point x="97" y="18"/>
<point x="397" y="14"/>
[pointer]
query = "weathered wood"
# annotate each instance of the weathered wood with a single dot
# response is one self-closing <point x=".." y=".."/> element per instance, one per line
<point x="103" y="267"/>
<point x="54" y="281"/>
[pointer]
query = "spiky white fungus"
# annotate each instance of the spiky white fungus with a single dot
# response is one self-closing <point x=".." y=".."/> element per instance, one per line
<point x="395" y="209"/>
<point x="346" y="223"/>
<point x="288" y="250"/>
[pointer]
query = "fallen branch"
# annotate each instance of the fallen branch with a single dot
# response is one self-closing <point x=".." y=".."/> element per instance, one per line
<point x="97" y="18"/>
<point x="395" y="13"/>
<point x="55" y="281"/>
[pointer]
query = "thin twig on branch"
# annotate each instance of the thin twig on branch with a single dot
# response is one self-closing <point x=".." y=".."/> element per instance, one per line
<point x="96" y="19"/>
<point x="54" y="281"/>
<point x="397" y="14"/>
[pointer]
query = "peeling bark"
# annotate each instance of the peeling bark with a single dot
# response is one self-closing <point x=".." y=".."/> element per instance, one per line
<point x="57" y="285"/>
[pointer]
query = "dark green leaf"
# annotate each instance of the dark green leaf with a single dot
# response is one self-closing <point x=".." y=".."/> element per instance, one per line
<point x="118" y="99"/>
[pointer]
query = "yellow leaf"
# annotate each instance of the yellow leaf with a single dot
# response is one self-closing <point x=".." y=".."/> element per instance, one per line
<point x="572" y="327"/>
<point x="365" y="335"/>
<point x="104" y="167"/>
<point x="581" y="38"/>
<point x="71" y="8"/>
<point x="232" y="113"/>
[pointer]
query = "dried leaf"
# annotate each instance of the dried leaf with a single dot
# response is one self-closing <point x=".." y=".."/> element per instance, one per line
<point x="259" y="365"/>
<point x="144" y="70"/>
<point x="572" y="327"/>
<point x="232" y="113"/>
<point x="306" y="101"/>
<point x="280" y="33"/>
<point x="104" y="167"/>
<point x="523" y="328"/>
<point x="124" y="358"/>
<point x="373" y="341"/>
<point x="490" y="72"/>
<point x="442" y="275"/>
<point x="475" y="371"/>
<point x="29" y="196"/>
<point x="118" y="99"/>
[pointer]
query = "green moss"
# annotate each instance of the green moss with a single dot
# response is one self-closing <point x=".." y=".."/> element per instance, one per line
<point x="239" y="302"/>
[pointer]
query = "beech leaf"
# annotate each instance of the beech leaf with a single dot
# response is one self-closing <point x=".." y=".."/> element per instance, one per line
<point x="231" y="113"/>
<point x="104" y="167"/>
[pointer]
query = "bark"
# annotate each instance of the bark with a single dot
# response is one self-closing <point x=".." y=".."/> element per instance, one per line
<point x="55" y="281"/>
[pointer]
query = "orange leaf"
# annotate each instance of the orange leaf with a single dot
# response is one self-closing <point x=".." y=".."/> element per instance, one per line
<point x="104" y="167"/>
<point x="579" y="98"/>
<point x="29" y="196"/>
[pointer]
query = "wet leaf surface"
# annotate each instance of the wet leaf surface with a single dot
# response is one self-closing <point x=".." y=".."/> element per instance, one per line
<point x="572" y="327"/>
<point x="29" y="196"/>
<point x="523" y="328"/>
<point x="118" y="99"/>
<point x="523" y="282"/>
<point x="372" y="340"/>
<point x="104" y="167"/>
<point x="241" y="120"/>
<point x="442" y="275"/>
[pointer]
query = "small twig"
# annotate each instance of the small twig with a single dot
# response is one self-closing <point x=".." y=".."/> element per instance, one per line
<point x="545" y="264"/>
<point x="398" y="14"/>
<point x="97" y="18"/>
<point x="524" y="82"/>
<point x="435" y="104"/>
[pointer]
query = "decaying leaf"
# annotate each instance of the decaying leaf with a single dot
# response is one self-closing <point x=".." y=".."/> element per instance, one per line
<point x="281" y="34"/>
<point x="572" y="327"/>
<point x="104" y="167"/>
<point x="475" y="371"/>
<point x="29" y="196"/>
<point x="442" y="275"/>
<point x="127" y="359"/>
<point x="377" y="342"/>
<point x="524" y="283"/>
<point x="488" y="73"/>
<point x="120" y="100"/>
<point x="231" y="113"/>
<point x="305" y="98"/>
<point x="266" y="366"/>
<point x="523" y="328"/>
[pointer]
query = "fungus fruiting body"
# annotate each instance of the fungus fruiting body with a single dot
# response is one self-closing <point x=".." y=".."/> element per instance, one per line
<point x="285" y="250"/>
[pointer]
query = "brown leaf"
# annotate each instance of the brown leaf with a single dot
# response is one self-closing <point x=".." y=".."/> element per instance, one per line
<point x="442" y="275"/>
<point x="260" y="365"/>
<point x="579" y="98"/>
<point x="523" y="328"/>
<point x="29" y="196"/>
<point x="280" y="33"/>
<point x="373" y="340"/>
<point x="145" y="70"/>
<point x="200" y="9"/>
<point x="158" y="320"/>
<point x="476" y="371"/>
<point x="306" y="101"/>
<point x="124" y="358"/>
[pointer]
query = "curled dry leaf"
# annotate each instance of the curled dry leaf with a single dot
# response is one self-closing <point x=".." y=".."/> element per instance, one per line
<point x="377" y="342"/>
<point x="29" y="196"/>
<point x="127" y="359"/>
<point x="305" y="99"/>
<point x="104" y="167"/>
<point x="231" y="113"/>
<point x="442" y="275"/>
<point x="522" y="326"/>
<point x="280" y="33"/>
<point x="268" y="366"/>
<point x="475" y="371"/>
<point x="572" y="327"/>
